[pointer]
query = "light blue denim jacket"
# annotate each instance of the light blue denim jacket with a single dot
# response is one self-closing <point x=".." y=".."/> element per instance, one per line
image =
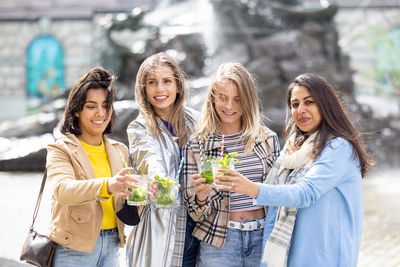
<point x="330" y="206"/>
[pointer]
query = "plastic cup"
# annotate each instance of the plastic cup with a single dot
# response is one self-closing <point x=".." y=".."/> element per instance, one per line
<point x="139" y="195"/>
<point x="217" y="166"/>
<point x="167" y="193"/>
<point x="206" y="171"/>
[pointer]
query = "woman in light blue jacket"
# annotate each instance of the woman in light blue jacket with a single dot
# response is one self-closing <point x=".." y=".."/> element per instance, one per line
<point x="314" y="190"/>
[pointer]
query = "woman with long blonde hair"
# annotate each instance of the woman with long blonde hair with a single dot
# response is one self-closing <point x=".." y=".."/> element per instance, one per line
<point x="156" y="137"/>
<point x="229" y="225"/>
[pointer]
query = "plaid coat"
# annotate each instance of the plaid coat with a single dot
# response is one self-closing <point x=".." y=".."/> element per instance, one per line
<point x="212" y="218"/>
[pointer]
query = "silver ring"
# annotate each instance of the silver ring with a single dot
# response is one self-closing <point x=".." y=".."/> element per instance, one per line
<point x="232" y="184"/>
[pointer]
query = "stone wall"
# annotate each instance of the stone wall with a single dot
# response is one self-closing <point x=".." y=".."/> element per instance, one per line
<point x="77" y="39"/>
<point x="74" y="24"/>
<point x="14" y="40"/>
<point x="81" y="43"/>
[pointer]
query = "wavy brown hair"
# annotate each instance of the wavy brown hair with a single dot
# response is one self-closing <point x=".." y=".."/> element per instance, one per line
<point x="96" y="78"/>
<point x="335" y="122"/>
<point x="177" y="117"/>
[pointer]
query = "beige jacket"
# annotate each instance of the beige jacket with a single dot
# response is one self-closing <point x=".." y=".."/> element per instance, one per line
<point x="76" y="210"/>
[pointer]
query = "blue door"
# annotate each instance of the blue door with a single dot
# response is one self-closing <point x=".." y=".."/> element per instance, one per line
<point x="45" y="68"/>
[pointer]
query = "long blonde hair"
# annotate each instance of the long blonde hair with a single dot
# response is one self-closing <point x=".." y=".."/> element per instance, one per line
<point x="251" y="124"/>
<point x="177" y="116"/>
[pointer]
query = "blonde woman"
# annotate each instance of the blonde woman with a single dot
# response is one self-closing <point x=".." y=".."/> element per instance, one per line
<point x="156" y="136"/>
<point x="229" y="225"/>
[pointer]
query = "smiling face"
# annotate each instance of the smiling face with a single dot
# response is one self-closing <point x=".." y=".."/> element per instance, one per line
<point x="161" y="90"/>
<point x="94" y="117"/>
<point x="228" y="107"/>
<point x="304" y="109"/>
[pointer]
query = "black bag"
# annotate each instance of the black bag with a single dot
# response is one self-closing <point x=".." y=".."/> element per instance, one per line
<point x="38" y="249"/>
<point x="129" y="215"/>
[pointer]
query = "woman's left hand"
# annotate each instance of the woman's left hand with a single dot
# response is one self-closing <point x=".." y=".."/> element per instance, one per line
<point x="237" y="182"/>
<point x="153" y="189"/>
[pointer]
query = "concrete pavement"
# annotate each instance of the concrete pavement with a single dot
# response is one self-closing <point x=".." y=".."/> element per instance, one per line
<point x="381" y="231"/>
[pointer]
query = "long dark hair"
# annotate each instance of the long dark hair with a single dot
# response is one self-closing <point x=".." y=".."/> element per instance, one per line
<point x="334" y="123"/>
<point x="96" y="78"/>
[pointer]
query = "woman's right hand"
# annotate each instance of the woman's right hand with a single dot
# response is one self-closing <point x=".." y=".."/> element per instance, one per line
<point x="201" y="189"/>
<point x="121" y="182"/>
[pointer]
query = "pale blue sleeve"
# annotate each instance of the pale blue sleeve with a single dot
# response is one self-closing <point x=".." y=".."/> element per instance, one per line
<point x="328" y="170"/>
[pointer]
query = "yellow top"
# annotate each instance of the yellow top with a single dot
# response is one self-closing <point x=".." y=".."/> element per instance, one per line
<point x="101" y="167"/>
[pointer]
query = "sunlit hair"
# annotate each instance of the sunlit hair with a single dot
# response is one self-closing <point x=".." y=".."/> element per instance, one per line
<point x="177" y="117"/>
<point x="251" y="123"/>
<point x="97" y="78"/>
<point x="334" y="123"/>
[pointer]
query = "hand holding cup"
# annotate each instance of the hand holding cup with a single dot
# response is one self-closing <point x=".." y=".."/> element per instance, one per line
<point x="235" y="182"/>
<point x="119" y="183"/>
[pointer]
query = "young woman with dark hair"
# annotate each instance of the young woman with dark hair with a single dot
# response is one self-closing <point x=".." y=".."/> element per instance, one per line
<point x="314" y="190"/>
<point x="334" y="121"/>
<point x="94" y="79"/>
<point x="87" y="174"/>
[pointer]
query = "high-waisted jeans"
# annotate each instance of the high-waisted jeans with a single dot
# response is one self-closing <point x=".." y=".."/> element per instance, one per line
<point x="105" y="254"/>
<point x="242" y="248"/>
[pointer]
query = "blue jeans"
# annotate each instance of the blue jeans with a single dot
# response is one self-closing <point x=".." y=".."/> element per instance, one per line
<point x="242" y="248"/>
<point x="191" y="247"/>
<point x="106" y="253"/>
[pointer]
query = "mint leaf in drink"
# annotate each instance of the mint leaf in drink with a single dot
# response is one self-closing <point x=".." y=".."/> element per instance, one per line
<point x="226" y="161"/>
<point x="207" y="171"/>
<point x="166" y="195"/>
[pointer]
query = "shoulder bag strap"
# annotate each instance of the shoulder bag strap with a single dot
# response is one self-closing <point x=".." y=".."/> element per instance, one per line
<point x="35" y="212"/>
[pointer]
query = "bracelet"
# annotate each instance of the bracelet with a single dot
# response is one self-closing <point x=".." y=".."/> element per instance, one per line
<point x="200" y="201"/>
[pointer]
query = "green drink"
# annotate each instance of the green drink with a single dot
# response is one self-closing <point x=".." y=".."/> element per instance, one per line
<point x="139" y="195"/>
<point x="226" y="163"/>
<point x="167" y="192"/>
<point x="207" y="170"/>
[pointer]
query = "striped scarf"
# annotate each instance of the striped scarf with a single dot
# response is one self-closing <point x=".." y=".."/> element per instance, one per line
<point x="288" y="169"/>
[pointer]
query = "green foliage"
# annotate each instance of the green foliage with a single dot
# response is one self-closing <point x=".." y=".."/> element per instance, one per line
<point x="164" y="183"/>
<point x="225" y="163"/>
<point x="166" y="196"/>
